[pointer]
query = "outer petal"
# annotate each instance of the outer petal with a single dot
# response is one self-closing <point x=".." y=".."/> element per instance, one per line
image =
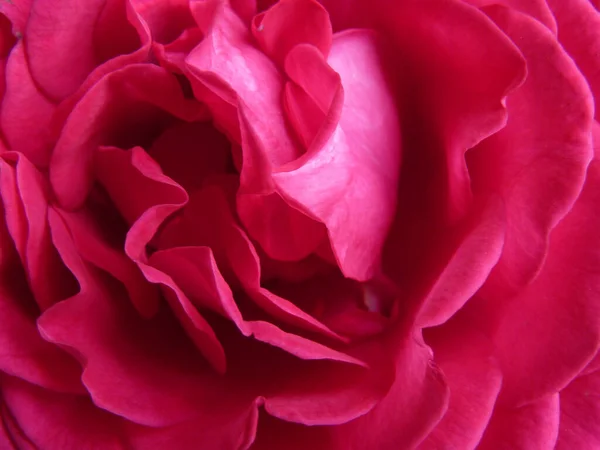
<point x="25" y="197"/>
<point x="578" y="25"/>
<point x="533" y="426"/>
<point x="537" y="9"/>
<point x="580" y="413"/>
<point x="465" y="356"/>
<point x="538" y="162"/>
<point x="60" y="43"/>
<point x="25" y="114"/>
<point x="558" y="311"/>
<point x="24" y="353"/>
<point x="55" y="421"/>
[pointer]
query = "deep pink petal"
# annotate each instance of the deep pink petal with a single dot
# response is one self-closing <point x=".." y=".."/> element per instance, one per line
<point x="147" y="185"/>
<point x="118" y="110"/>
<point x="313" y="99"/>
<point x="538" y="162"/>
<point x="18" y="14"/>
<point x="537" y="9"/>
<point x="25" y="195"/>
<point x="580" y="413"/>
<point x="245" y="76"/>
<point x="60" y="44"/>
<point x="24" y="353"/>
<point x="145" y="370"/>
<point x="234" y="430"/>
<point x="166" y="19"/>
<point x="25" y="114"/>
<point x="414" y="404"/>
<point x="532" y="426"/>
<point x="457" y="89"/>
<point x="558" y="311"/>
<point x="55" y="421"/>
<point x="266" y="215"/>
<point x="88" y="237"/>
<point x="234" y="253"/>
<point x="350" y="183"/>
<point x="150" y="199"/>
<point x="578" y="25"/>
<point x="289" y="23"/>
<point x="468" y="268"/>
<point x="466" y="357"/>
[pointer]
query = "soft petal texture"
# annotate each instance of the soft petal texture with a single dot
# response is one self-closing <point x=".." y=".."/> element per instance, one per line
<point x="166" y="19"/>
<point x="532" y="426"/>
<point x="403" y="416"/>
<point x="60" y="45"/>
<point x="25" y="114"/>
<point x="538" y="162"/>
<point x="25" y="196"/>
<point x="144" y="370"/>
<point x="188" y="265"/>
<point x="466" y="358"/>
<point x="61" y="60"/>
<point x="150" y="199"/>
<point x="136" y="96"/>
<point x="289" y="23"/>
<point x="357" y="168"/>
<point x="558" y="311"/>
<point x="57" y="421"/>
<point x="578" y="24"/>
<point x="580" y="413"/>
<point x="414" y="405"/>
<point x="24" y="353"/>
<point x="537" y="9"/>
<point x="313" y="97"/>
<point x="468" y="267"/>
<point x="234" y="253"/>
<point x="459" y="87"/>
<point x="226" y="73"/>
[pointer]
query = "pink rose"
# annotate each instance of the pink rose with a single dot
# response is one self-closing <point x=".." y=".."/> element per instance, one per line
<point x="346" y="225"/>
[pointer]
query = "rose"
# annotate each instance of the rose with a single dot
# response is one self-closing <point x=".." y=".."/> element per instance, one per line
<point x="387" y="232"/>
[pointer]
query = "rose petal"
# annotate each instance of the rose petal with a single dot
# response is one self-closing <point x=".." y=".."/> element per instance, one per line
<point x="25" y="198"/>
<point x="266" y="215"/>
<point x="580" y="413"/>
<point x="558" y="311"/>
<point x="289" y="23"/>
<point x="24" y="353"/>
<point x="166" y="19"/>
<point x="25" y="114"/>
<point x="538" y="162"/>
<point x="112" y="112"/>
<point x="234" y="253"/>
<point x="531" y="426"/>
<point x="468" y="267"/>
<point x="246" y="75"/>
<point x="144" y="370"/>
<point x="58" y="421"/>
<point x="537" y="9"/>
<point x="357" y="169"/>
<point x="94" y="248"/>
<point x="313" y="100"/>
<point x="60" y="44"/>
<point x="465" y="356"/>
<point x="150" y="199"/>
<point x="578" y="24"/>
